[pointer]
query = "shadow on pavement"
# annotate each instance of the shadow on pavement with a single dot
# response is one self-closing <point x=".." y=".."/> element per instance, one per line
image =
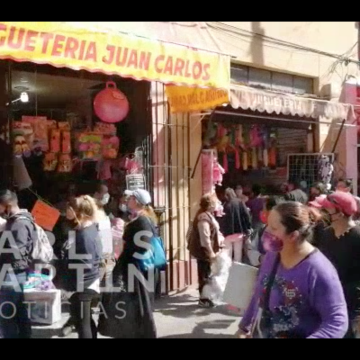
<point x="186" y="305"/>
<point x="199" y="332"/>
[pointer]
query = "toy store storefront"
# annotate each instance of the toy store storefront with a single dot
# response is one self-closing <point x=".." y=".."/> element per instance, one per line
<point x="268" y="138"/>
<point x="82" y="105"/>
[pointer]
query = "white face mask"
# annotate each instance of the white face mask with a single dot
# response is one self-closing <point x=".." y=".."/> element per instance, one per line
<point x="123" y="207"/>
<point x="105" y="199"/>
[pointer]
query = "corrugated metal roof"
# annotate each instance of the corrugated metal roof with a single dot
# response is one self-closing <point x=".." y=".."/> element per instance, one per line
<point x="196" y="35"/>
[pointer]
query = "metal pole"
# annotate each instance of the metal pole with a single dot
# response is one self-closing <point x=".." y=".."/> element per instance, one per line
<point x="338" y="137"/>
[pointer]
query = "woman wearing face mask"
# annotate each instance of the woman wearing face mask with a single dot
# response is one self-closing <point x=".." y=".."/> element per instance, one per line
<point x="142" y="223"/>
<point x="85" y="283"/>
<point x="106" y="237"/>
<point x="205" y="242"/>
<point x="298" y="293"/>
<point x="102" y="195"/>
<point x="341" y="244"/>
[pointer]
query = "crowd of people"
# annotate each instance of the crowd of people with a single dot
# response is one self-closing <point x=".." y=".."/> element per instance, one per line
<point x="308" y="284"/>
<point x="308" y="246"/>
<point x="102" y="232"/>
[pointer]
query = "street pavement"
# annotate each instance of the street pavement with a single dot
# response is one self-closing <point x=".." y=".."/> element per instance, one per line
<point x="176" y="316"/>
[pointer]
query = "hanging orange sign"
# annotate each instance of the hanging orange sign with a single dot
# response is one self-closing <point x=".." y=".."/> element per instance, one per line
<point x="187" y="99"/>
<point x="64" y="45"/>
<point x="45" y="215"/>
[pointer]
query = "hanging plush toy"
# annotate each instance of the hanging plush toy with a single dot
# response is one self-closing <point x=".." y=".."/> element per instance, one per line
<point x="55" y="140"/>
<point x="239" y="141"/>
<point x="254" y="158"/>
<point x="223" y="139"/>
<point x="21" y="147"/>
<point x="50" y="161"/>
<point x="218" y="172"/>
<point x="245" y="160"/>
<point x="237" y="159"/>
<point x="110" y="147"/>
<point x="255" y="137"/>
<point x="65" y="164"/>
<point x="66" y="142"/>
<point x="40" y="127"/>
<point x="23" y="138"/>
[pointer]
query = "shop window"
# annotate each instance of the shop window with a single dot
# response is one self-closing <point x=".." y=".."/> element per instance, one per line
<point x="282" y="82"/>
<point x="303" y="85"/>
<point x="259" y="77"/>
<point x="239" y="74"/>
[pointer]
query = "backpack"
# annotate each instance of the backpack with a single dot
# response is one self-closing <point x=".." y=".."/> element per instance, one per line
<point x="42" y="251"/>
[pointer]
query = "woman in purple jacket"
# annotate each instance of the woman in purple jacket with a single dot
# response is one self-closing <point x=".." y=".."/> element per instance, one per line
<point x="298" y="292"/>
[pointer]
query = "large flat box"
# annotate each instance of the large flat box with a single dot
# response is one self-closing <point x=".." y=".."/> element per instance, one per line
<point x="240" y="285"/>
<point x="46" y="308"/>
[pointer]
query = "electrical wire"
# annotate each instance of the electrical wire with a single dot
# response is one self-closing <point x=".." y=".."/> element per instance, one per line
<point x="247" y="33"/>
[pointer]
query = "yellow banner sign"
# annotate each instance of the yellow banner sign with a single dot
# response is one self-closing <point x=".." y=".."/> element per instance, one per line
<point x="63" y="45"/>
<point x="186" y="99"/>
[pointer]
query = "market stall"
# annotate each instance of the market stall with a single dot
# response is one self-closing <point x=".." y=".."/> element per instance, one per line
<point x="267" y="138"/>
<point x="82" y="58"/>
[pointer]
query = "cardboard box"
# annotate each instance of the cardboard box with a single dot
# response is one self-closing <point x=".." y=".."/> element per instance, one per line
<point x="44" y="306"/>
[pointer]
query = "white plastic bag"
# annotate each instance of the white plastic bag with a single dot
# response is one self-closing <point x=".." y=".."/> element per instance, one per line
<point x="215" y="287"/>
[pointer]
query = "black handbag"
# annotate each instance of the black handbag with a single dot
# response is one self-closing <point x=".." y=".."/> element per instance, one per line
<point x="265" y="320"/>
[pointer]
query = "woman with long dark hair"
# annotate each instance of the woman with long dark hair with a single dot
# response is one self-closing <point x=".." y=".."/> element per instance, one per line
<point x="235" y="225"/>
<point x="298" y="293"/>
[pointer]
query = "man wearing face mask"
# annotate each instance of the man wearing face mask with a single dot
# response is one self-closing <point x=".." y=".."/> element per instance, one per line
<point x="20" y="224"/>
<point x="341" y="244"/>
<point x="102" y="194"/>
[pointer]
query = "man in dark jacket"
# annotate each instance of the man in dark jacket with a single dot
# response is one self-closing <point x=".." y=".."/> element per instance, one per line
<point x="16" y="245"/>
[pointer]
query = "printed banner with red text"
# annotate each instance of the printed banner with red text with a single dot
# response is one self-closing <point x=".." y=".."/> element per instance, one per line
<point x="62" y="45"/>
<point x="187" y="99"/>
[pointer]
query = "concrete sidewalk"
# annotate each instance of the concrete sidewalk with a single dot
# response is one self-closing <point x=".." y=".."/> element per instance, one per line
<point x="176" y="316"/>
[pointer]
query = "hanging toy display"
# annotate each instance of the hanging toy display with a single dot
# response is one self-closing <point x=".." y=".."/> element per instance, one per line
<point x="272" y="150"/>
<point x="218" y="172"/>
<point x="110" y="147"/>
<point x="89" y="146"/>
<point x="110" y="104"/>
<point x="245" y="161"/>
<point x="23" y="138"/>
<point x="50" y="161"/>
<point x="64" y="164"/>
<point x="40" y="128"/>
<point x="66" y="142"/>
<point x="326" y="169"/>
<point x="55" y="140"/>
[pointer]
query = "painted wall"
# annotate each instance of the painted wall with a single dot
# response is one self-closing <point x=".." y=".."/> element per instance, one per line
<point x="329" y="74"/>
<point x="332" y="37"/>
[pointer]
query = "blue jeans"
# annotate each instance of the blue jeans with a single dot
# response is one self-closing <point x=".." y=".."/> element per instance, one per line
<point x="14" y="319"/>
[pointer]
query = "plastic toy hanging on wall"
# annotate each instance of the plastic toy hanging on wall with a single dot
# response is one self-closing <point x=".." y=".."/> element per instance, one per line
<point x="65" y="163"/>
<point x="110" y="104"/>
<point x="110" y="147"/>
<point x="89" y="146"/>
<point x="23" y="138"/>
<point x="50" y="161"/>
<point x="40" y="127"/>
